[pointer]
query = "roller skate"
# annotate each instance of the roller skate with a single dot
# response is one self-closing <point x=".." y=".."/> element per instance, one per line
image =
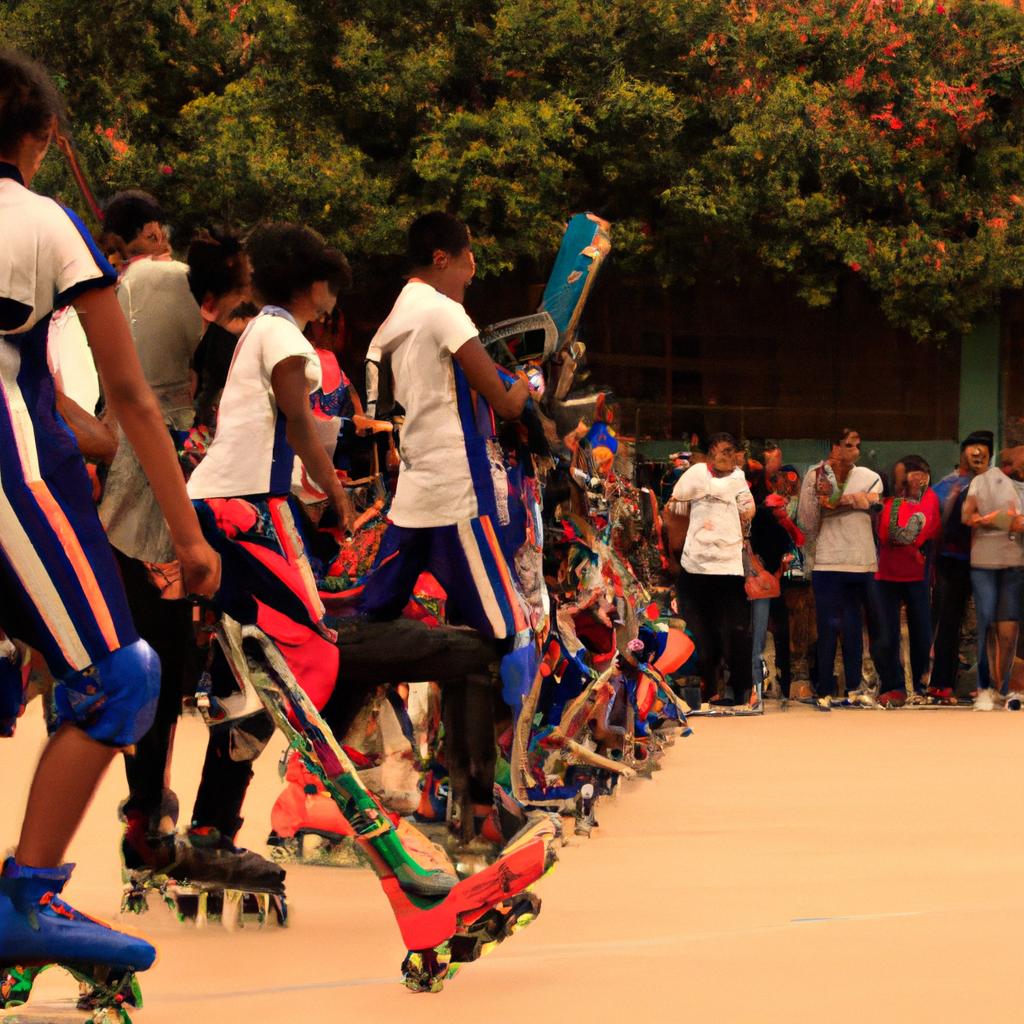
<point x="201" y="876"/>
<point x="444" y="922"/>
<point x="38" y="930"/>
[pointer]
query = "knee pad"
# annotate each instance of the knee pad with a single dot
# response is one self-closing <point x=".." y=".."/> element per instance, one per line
<point x="114" y="700"/>
<point x="244" y="738"/>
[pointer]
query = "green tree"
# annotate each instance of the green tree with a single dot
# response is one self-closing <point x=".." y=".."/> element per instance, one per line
<point x="811" y="139"/>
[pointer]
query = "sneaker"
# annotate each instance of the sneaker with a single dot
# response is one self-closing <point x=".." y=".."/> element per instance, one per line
<point x="917" y="699"/>
<point x="943" y="695"/>
<point x="1014" y="700"/>
<point x="985" y="701"/>
<point x="862" y="698"/>
<point x="893" y="699"/>
<point x="823" y="703"/>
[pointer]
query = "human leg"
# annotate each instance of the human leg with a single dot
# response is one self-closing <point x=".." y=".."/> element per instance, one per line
<point x="695" y="608"/>
<point x="779" y="625"/>
<point x="759" y="611"/>
<point x="985" y="587"/>
<point x="882" y="600"/>
<point x="919" y="626"/>
<point x="401" y="558"/>
<point x="1007" y="621"/>
<point x="828" y="604"/>
<point x="166" y="625"/>
<point x="952" y="591"/>
<point x="734" y="618"/>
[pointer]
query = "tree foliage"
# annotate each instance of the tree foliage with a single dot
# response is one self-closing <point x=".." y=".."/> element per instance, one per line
<point x="816" y="139"/>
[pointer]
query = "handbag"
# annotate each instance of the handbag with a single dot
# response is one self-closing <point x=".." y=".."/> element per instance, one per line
<point x="758" y="582"/>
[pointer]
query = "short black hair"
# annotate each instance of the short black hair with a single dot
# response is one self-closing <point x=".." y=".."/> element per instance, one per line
<point x="433" y="231"/>
<point x="287" y="259"/>
<point x="986" y="438"/>
<point x="29" y="100"/>
<point x="128" y="212"/>
<point x="720" y="438"/>
<point x="916" y="464"/>
<point x="216" y="264"/>
<point x="843" y="434"/>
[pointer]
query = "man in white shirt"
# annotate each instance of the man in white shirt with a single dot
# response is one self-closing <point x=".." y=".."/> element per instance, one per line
<point x="712" y="598"/>
<point x="836" y="501"/>
<point x="451" y="501"/>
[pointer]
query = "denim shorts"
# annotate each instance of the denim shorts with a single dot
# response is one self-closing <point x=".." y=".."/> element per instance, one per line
<point x="1001" y="590"/>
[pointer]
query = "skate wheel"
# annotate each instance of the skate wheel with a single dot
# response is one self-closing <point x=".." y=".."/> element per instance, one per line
<point x="231" y="910"/>
<point x="524" y="912"/>
<point x="280" y="907"/>
<point x="134" y="900"/>
<point x="467" y="948"/>
<point x="426" y="970"/>
<point x="282" y="853"/>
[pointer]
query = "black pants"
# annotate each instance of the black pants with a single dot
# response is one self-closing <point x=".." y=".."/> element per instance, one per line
<point x="167" y="627"/>
<point x="949" y="604"/>
<point x="778" y="626"/>
<point x="717" y="612"/>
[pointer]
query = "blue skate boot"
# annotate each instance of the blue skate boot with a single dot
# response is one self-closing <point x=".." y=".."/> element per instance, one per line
<point x="39" y="930"/>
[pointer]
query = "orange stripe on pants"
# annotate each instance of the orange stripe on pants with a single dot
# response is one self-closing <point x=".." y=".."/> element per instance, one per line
<point x="73" y="549"/>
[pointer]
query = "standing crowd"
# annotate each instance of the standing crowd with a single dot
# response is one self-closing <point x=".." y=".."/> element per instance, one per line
<point x="872" y="549"/>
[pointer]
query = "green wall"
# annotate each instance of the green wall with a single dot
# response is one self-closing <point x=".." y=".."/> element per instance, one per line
<point x="980" y="397"/>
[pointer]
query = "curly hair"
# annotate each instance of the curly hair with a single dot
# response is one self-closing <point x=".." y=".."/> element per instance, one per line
<point x="29" y="100"/>
<point x="287" y="259"/>
<point x="128" y="212"/>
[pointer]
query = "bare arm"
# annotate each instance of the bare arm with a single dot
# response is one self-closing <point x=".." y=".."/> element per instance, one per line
<point x="746" y="506"/>
<point x="132" y="402"/>
<point x="95" y="439"/>
<point x="970" y="515"/>
<point x="291" y="392"/>
<point x="483" y="377"/>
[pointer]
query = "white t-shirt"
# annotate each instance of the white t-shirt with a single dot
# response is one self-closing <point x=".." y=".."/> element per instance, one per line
<point x="444" y="473"/>
<point x="714" y="539"/>
<point x="47" y="257"/>
<point x="250" y="454"/>
<point x="70" y="358"/>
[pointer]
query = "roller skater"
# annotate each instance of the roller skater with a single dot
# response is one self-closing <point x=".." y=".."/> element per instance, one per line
<point x="61" y="592"/>
<point x="452" y="513"/>
<point x="168" y="304"/>
<point x="273" y="630"/>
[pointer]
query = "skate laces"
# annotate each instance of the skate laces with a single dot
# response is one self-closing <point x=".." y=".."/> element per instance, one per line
<point x="58" y="906"/>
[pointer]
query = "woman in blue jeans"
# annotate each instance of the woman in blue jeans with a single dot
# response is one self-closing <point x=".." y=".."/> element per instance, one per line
<point x="993" y="510"/>
<point x="910" y="518"/>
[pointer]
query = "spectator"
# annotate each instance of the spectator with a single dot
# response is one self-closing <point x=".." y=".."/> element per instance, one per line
<point x="909" y="520"/>
<point x="715" y="499"/>
<point x="836" y="501"/>
<point x="166" y="304"/>
<point x="992" y="509"/>
<point x="953" y="564"/>
<point x="773" y="538"/>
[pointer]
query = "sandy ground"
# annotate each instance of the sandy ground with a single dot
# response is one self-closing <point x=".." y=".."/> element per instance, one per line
<point x="863" y="865"/>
